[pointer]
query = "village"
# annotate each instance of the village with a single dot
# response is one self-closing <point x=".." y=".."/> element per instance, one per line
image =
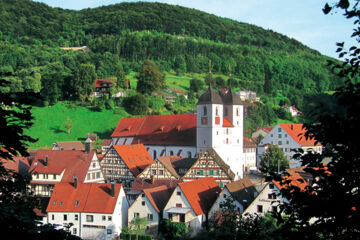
<point x="180" y="167"/>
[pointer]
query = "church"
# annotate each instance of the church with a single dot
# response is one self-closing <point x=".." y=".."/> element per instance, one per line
<point x="218" y="124"/>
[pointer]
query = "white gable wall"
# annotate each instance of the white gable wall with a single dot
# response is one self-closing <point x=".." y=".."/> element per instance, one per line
<point x="225" y="194"/>
<point x="94" y="173"/>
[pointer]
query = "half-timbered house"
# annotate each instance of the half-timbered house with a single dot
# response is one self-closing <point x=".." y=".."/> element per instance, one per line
<point x="123" y="163"/>
<point x="209" y="164"/>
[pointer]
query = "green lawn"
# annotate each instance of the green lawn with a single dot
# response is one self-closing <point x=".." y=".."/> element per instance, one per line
<point x="49" y="123"/>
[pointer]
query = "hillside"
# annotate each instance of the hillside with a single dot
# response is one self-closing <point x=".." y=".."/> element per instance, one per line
<point x="176" y="38"/>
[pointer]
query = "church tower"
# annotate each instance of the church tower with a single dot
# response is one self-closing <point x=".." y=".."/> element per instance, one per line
<point x="220" y="126"/>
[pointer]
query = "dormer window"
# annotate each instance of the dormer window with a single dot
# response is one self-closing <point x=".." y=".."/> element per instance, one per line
<point x="204" y="110"/>
<point x="77" y="203"/>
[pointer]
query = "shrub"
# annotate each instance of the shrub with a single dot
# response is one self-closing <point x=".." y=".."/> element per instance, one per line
<point x="136" y="105"/>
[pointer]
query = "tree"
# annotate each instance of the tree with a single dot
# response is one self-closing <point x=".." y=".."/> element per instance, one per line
<point x="18" y="219"/>
<point x="196" y="85"/>
<point x="136" y="226"/>
<point x="273" y="160"/>
<point x="136" y="105"/>
<point x="311" y="214"/>
<point x="120" y="77"/>
<point x="149" y="78"/>
<point x="179" y="65"/>
<point x="83" y="83"/>
<point x="172" y="230"/>
<point x="68" y="125"/>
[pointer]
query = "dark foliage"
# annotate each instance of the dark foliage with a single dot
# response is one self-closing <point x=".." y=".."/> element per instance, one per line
<point x="136" y="105"/>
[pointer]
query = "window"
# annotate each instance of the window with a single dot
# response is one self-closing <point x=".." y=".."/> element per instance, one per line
<point x="287" y="142"/>
<point x="224" y="195"/>
<point x="46" y="176"/>
<point x="74" y="231"/>
<point x="109" y="231"/>
<point x="150" y="217"/>
<point x="161" y="172"/>
<point x="76" y="217"/>
<point x="143" y="203"/>
<point x="178" y="193"/>
<point x="65" y="217"/>
<point x="279" y="129"/>
<point x="211" y="172"/>
<point x="170" y="216"/>
<point x="280" y="142"/>
<point x="60" y="203"/>
<point x="259" y="208"/>
<point x="272" y="135"/>
<point x="189" y="154"/>
<point x="201" y="172"/>
<point x="143" y="195"/>
<point x="218" y="172"/>
<point x="136" y="214"/>
<point x="204" y="110"/>
<point x="178" y="205"/>
<point x="103" y="218"/>
<point x="89" y="218"/>
<point x="279" y="135"/>
<point x="271" y="186"/>
<point x="109" y="218"/>
<point x="98" y="175"/>
<point x="54" y="203"/>
<point x="154" y="154"/>
<point x="52" y="217"/>
<point x="171" y="153"/>
<point x="94" y="165"/>
<point x="88" y="176"/>
<point x="286" y="135"/>
<point x="153" y="172"/>
<point x="54" y="176"/>
<point x="271" y="196"/>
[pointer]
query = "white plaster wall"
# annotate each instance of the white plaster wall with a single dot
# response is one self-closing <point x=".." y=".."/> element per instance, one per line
<point x="250" y="157"/>
<point x="94" y="168"/>
<point x="120" y="215"/>
<point x="137" y="207"/>
<point x="264" y="200"/>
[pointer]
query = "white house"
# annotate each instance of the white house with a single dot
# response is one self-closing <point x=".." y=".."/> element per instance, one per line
<point x="191" y="201"/>
<point x="293" y="111"/>
<point x="89" y="210"/>
<point x="150" y="204"/>
<point x="269" y="198"/>
<point x="242" y="192"/>
<point x="249" y="155"/>
<point x="289" y="136"/>
<point x="218" y="124"/>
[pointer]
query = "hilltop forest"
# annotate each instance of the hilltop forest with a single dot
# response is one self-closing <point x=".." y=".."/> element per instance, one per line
<point x="121" y="36"/>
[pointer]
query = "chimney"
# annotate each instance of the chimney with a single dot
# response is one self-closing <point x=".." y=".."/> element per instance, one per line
<point x="46" y="160"/>
<point x="88" y="145"/>
<point x="292" y="127"/>
<point x="112" y="190"/>
<point x="75" y="181"/>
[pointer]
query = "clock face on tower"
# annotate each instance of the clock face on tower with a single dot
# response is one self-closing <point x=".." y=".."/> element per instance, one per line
<point x="204" y="120"/>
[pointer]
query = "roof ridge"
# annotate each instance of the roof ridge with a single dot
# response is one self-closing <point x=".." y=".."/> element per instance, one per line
<point x="87" y="196"/>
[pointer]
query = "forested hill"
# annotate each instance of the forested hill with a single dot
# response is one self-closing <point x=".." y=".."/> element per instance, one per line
<point x="176" y="38"/>
<point x="37" y="20"/>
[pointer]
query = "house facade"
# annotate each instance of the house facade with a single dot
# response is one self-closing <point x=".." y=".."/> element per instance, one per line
<point x="89" y="210"/>
<point x="289" y="136"/>
<point x="218" y="124"/>
<point x="249" y="155"/>
<point x="190" y="202"/>
<point x="209" y="164"/>
<point x="123" y="163"/>
<point x="150" y="204"/>
<point x="161" y="168"/>
<point x="52" y="166"/>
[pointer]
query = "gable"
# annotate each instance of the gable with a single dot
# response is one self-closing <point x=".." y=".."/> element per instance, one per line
<point x="157" y="167"/>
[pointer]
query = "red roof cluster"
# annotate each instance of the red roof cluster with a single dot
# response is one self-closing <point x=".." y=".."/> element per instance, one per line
<point x="297" y="132"/>
<point x="86" y="197"/>
<point x="201" y="193"/>
<point x="73" y="162"/>
<point x="17" y="164"/>
<point x="135" y="156"/>
<point x="179" y="129"/>
<point x="100" y="81"/>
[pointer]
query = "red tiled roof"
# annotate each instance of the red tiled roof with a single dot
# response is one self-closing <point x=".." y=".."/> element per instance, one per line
<point x="266" y="129"/>
<point x="247" y="143"/>
<point x="76" y="145"/>
<point x="106" y="142"/>
<point x="99" y="81"/>
<point x="295" y="180"/>
<point x="141" y="184"/>
<point x="17" y="164"/>
<point x="297" y="132"/>
<point x="227" y="123"/>
<point x="201" y="193"/>
<point x="135" y="156"/>
<point x="179" y="129"/>
<point x="158" y="196"/>
<point x="74" y="162"/>
<point x="91" y="197"/>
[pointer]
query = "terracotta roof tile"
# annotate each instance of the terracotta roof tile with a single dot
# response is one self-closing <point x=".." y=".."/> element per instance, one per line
<point x="201" y="193"/>
<point x="167" y="162"/>
<point x="141" y="184"/>
<point x="98" y="82"/>
<point x="242" y="189"/>
<point x="106" y="142"/>
<point x="158" y="196"/>
<point x="247" y="143"/>
<point x="76" y="145"/>
<point x="73" y="162"/>
<point x="179" y="129"/>
<point x="295" y="180"/>
<point x="296" y="131"/>
<point x="135" y="156"/>
<point x="17" y="164"/>
<point x="87" y="197"/>
<point x="227" y="123"/>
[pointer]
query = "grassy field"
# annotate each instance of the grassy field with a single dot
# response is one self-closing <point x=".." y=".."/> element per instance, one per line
<point x="49" y="123"/>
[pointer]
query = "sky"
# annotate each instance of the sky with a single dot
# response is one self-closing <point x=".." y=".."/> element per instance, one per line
<point x="302" y="20"/>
